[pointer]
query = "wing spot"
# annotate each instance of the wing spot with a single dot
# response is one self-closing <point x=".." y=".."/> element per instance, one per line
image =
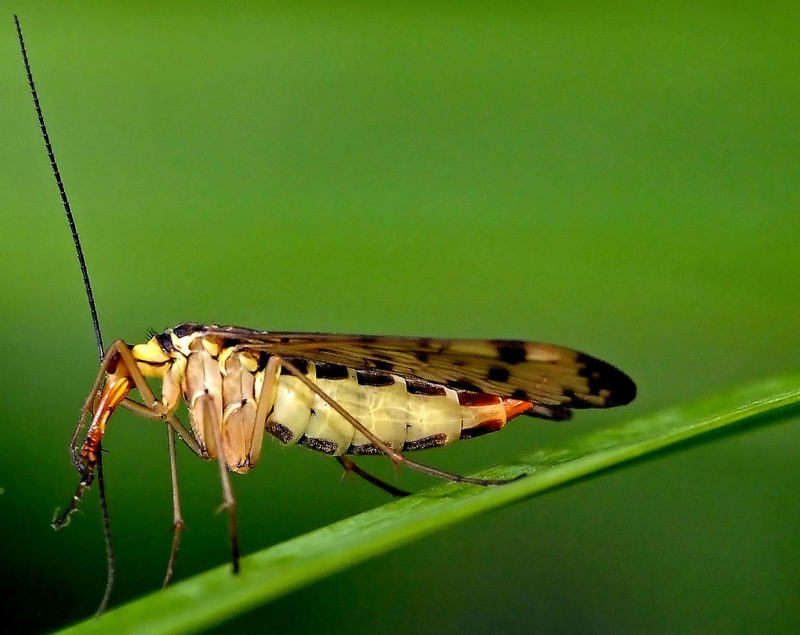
<point x="499" y="373"/>
<point x="511" y="353"/>
<point x="381" y="364"/>
<point x="461" y="384"/>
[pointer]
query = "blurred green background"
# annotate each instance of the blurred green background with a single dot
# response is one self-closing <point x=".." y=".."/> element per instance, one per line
<point x="619" y="179"/>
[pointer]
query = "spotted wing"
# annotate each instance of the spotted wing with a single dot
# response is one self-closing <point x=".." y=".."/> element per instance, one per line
<point x="530" y="371"/>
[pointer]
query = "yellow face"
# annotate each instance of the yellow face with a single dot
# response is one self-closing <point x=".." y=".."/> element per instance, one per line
<point x="155" y="356"/>
<point x="151" y="359"/>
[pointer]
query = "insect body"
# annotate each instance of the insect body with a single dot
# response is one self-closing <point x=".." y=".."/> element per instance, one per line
<point x="223" y="382"/>
<point x="336" y="394"/>
<point x="407" y="393"/>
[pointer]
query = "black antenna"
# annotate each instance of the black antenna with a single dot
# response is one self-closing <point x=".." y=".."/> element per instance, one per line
<point x="95" y="321"/>
<point x="64" y="200"/>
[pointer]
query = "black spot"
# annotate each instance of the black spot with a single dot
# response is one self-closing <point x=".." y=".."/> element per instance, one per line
<point x="417" y="387"/>
<point x="165" y="342"/>
<point x="601" y="376"/>
<point x="145" y="361"/>
<point x="462" y="384"/>
<point x="302" y="365"/>
<point x="230" y="342"/>
<point x="182" y="330"/>
<point x="511" y="352"/>
<point x="319" y="445"/>
<point x="280" y="432"/>
<point x="552" y="413"/>
<point x="433" y="441"/>
<point x="381" y="364"/>
<point x="485" y="427"/>
<point x="421" y="356"/>
<point x="477" y="399"/>
<point x="520" y="394"/>
<point x="365" y="448"/>
<point x="575" y="401"/>
<point x="373" y="378"/>
<point x="499" y="373"/>
<point x="331" y="371"/>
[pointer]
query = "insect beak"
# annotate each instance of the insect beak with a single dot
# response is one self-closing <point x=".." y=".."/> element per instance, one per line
<point x="114" y="393"/>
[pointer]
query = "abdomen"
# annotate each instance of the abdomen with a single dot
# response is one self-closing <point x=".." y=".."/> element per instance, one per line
<point x="405" y="414"/>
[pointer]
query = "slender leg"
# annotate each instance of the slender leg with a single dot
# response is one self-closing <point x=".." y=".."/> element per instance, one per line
<point x="154" y="411"/>
<point x="266" y="400"/>
<point x="120" y="349"/>
<point x="174" y="423"/>
<point x="148" y="397"/>
<point x="177" y="516"/>
<point x="396" y="457"/>
<point x="350" y="466"/>
<point x="228" y="500"/>
<point x="88" y="406"/>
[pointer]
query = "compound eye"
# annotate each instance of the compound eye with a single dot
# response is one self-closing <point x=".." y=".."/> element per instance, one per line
<point x="164" y="340"/>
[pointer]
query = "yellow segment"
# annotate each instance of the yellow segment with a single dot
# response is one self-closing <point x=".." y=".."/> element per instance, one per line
<point x="293" y="401"/>
<point x="328" y="425"/>
<point x="432" y="415"/>
<point x="385" y="413"/>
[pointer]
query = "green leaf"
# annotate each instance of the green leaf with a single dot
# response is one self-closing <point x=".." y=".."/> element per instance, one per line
<point x="216" y="595"/>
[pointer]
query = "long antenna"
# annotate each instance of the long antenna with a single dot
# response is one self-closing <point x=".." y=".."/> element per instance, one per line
<point x="92" y="308"/>
<point x="64" y="200"/>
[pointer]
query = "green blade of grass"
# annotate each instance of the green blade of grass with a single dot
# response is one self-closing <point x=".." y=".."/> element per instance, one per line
<point x="216" y="595"/>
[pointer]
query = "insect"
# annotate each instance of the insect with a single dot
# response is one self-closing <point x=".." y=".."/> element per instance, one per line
<point x="336" y="394"/>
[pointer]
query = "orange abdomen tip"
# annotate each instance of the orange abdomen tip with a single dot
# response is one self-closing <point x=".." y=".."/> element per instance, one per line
<point x="516" y="407"/>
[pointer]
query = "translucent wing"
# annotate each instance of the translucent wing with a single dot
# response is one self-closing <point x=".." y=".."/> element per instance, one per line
<point x="530" y="371"/>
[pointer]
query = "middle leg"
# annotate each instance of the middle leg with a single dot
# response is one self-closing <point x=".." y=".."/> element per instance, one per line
<point x="350" y="466"/>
